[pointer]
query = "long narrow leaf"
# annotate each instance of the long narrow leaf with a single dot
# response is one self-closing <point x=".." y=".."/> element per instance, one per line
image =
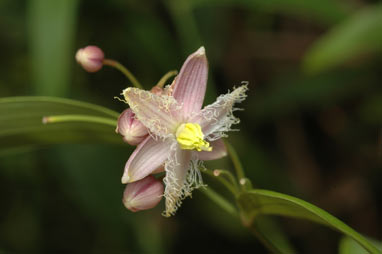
<point x="21" y="122"/>
<point x="264" y="202"/>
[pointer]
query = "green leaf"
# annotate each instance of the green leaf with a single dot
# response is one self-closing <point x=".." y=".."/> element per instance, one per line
<point x="266" y="229"/>
<point x="21" y="122"/>
<point x="264" y="202"/>
<point x="358" y="35"/>
<point x="349" y="246"/>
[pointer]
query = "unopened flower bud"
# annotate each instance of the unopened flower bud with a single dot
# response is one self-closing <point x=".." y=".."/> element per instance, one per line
<point x="143" y="194"/>
<point x="157" y="90"/>
<point x="91" y="58"/>
<point x="132" y="130"/>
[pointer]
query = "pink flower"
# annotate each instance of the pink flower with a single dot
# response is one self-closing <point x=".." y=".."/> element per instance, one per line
<point x="182" y="134"/>
<point x="143" y="194"/>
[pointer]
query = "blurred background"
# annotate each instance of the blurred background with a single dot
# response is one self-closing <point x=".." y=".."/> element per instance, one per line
<point x="311" y="125"/>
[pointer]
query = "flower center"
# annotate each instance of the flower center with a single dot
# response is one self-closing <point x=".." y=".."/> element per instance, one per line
<point x="190" y="137"/>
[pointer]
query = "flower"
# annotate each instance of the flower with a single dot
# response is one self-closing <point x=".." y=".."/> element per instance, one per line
<point x="91" y="58"/>
<point x="182" y="134"/>
<point x="132" y="130"/>
<point x="143" y="194"/>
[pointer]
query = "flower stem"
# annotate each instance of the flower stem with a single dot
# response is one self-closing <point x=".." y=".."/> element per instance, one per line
<point x="166" y="76"/>
<point x="219" y="200"/>
<point x="235" y="160"/>
<point x="262" y="238"/>
<point x="124" y="70"/>
<point x="228" y="174"/>
<point x="79" y="118"/>
<point x="217" y="174"/>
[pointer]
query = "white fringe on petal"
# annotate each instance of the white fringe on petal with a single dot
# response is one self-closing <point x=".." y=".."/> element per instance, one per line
<point x="153" y="117"/>
<point x="223" y="123"/>
<point x="180" y="185"/>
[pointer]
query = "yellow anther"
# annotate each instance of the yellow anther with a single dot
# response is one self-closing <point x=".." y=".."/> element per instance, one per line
<point x="190" y="137"/>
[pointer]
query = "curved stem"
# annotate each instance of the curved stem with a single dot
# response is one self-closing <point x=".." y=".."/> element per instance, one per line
<point x="235" y="160"/>
<point x="263" y="239"/>
<point x="124" y="70"/>
<point x="166" y="76"/>
<point x="228" y="174"/>
<point x="79" y="118"/>
<point x="220" y="201"/>
<point x="222" y="180"/>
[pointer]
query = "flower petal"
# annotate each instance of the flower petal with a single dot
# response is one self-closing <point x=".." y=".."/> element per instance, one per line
<point x="182" y="177"/>
<point x="146" y="159"/>
<point x="190" y="84"/>
<point x="218" y="151"/>
<point x="176" y="168"/>
<point x="159" y="113"/>
<point x="217" y="118"/>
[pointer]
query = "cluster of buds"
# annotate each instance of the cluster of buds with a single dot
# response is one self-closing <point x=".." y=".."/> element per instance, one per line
<point x="147" y="192"/>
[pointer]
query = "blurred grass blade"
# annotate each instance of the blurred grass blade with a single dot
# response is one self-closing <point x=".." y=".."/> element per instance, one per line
<point x="21" y="122"/>
<point x="349" y="246"/>
<point x="359" y="35"/>
<point x="264" y="202"/>
<point x="51" y="32"/>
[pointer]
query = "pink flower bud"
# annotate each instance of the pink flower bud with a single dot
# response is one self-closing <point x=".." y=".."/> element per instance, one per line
<point x="157" y="90"/>
<point x="91" y="58"/>
<point x="132" y="130"/>
<point x="143" y="194"/>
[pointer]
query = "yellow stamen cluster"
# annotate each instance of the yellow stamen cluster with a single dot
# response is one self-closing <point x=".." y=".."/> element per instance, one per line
<point x="190" y="137"/>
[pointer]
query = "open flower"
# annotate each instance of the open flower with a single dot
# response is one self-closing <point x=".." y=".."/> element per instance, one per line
<point x="182" y="134"/>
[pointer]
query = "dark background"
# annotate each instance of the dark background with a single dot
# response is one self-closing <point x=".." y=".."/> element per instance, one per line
<point x="311" y="126"/>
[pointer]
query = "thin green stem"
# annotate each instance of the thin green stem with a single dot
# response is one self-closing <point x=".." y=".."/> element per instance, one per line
<point x="235" y="160"/>
<point x="228" y="174"/>
<point x="124" y="70"/>
<point x="222" y="180"/>
<point x="79" y="118"/>
<point x="219" y="200"/>
<point x="261" y="237"/>
<point x="166" y="76"/>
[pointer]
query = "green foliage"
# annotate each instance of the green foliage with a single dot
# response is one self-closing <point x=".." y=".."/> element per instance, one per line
<point x="359" y="35"/>
<point x="21" y="122"/>
<point x="263" y="202"/>
<point x="51" y="32"/>
<point x="349" y="246"/>
<point x="339" y="112"/>
<point x="322" y="11"/>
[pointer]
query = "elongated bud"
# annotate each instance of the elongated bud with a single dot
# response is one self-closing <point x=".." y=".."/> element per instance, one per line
<point x="132" y="130"/>
<point x="91" y="58"/>
<point x="143" y="194"/>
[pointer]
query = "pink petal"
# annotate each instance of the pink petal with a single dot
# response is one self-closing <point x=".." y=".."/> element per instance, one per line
<point x="218" y="151"/>
<point x="146" y="159"/>
<point x="190" y="84"/>
<point x="158" y="113"/>
<point x="217" y="118"/>
<point x="176" y="168"/>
